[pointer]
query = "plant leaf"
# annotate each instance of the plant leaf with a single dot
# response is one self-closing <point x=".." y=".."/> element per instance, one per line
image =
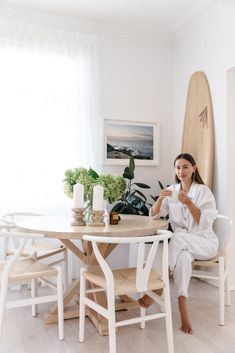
<point x="128" y="174"/>
<point x="144" y="210"/>
<point x="141" y="194"/>
<point x="127" y="193"/>
<point x="142" y="185"/>
<point x="154" y="197"/>
<point x="129" y="209"/>
<point x="93" y="173"/>
<point x="135" y="200"/>
<point x="132" y="165"/>
<point x="117" y="207"/>
<point x="160" y="184"/>
<point x="124" y="208"/>
<point x="134" y="192"/>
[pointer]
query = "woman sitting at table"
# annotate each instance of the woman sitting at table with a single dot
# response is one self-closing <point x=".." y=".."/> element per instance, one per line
<point x="191" y="208"/>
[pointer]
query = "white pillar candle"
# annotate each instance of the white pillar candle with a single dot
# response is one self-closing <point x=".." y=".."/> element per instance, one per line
<point x="78" y="195"/>
<point x="98" y="198"/>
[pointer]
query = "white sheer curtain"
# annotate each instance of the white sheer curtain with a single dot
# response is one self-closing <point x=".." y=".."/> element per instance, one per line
<point x="49" y="114"/>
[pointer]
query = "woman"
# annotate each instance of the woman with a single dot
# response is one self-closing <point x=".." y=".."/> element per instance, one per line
<point x="191" y="218"/>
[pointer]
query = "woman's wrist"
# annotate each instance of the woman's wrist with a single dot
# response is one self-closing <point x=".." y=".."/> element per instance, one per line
<point x="194" y="210"/>
<point x="189" y="203"/>
<point x="156" y="207"/>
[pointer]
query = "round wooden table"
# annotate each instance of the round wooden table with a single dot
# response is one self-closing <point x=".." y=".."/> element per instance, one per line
<point x="59" y="227"/>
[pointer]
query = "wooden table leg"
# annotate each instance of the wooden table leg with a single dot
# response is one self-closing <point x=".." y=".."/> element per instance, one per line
<point x="71" y="311"/>
<point x="98" y="320"/>
<point x="72" y="292"/>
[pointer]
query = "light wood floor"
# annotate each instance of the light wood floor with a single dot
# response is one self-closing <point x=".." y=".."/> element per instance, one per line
<point x="24" y="334"/>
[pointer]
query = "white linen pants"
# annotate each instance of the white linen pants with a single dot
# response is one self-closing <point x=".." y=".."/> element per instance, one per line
<point x="185" y="248"/>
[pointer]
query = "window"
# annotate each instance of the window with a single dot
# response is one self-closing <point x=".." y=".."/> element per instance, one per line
<point x="39" y="125"/>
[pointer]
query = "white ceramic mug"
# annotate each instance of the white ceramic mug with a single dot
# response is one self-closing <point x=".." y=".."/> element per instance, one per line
<point x="174" y="196"/>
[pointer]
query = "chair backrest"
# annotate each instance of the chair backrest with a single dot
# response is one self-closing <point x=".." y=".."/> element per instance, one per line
<point x="145" y="258"/>
<point x="5" y="224"/>
<point x="22" y="238"/>
<point x="222" y="228"/>
<point x="11" y="218"/>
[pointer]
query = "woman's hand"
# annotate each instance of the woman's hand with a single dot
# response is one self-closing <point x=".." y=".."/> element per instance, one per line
<point x="164" y="193"/>
<point x="183" y="197"/>
<point x="194" y="210"/>
<point x="155" y="209"/>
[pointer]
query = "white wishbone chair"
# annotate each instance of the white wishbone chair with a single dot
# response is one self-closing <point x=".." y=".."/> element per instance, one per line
<point x="17" y="268"/>
<point x="140" y="279"/>
<point x="36" y="247"/>
<point x="216" y="269"/>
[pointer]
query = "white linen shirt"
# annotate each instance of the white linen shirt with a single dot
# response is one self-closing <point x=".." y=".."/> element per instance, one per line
<point x="180" y="217"/>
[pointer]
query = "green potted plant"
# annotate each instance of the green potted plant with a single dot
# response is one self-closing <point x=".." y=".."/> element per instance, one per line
<point x="133" y="201"/>
<point x="114" y="185"/>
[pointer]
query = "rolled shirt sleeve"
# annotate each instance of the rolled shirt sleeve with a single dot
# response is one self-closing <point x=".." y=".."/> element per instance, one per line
<point x="207" y="206"/>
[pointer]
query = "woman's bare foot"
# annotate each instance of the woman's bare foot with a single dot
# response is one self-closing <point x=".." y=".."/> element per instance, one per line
<point x="186" y="326"/>
<point x="146" y="301"/>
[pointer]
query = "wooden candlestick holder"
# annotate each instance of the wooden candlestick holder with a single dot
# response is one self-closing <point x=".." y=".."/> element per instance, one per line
<point x="97" y="218"/>
<point x="77" y="217"/>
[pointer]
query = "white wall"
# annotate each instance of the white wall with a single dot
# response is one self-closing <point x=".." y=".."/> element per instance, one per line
<point x="207" y="44"/>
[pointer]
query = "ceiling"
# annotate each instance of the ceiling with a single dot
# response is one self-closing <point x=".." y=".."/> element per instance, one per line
<point x="155" y="15"/>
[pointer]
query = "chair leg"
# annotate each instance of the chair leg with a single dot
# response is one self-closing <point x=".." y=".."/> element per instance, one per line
<point x="5" y="248"/>
<point x="33" y="295"/>
<point x="142" y="314"/>
<point x="66" y="269"/>
<point x="221" y="291"/>
<point x="3" y="299"/>
<point x="60" y="302"/>
<point x="111" y="321"/>
<point x="227" y="288"/>
<point x="82" y="305"/>
<point x="227" y="291"/>
<point x="168" y="318"/>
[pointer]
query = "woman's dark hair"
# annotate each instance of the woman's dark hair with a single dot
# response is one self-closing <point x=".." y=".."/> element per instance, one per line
<point x="196" y="176"/>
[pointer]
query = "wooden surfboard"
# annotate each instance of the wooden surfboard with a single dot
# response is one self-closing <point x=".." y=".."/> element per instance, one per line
<point x="198" y="132"/>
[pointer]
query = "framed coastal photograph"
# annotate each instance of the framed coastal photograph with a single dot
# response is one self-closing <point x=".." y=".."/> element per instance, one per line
<point x="123" y="139"/>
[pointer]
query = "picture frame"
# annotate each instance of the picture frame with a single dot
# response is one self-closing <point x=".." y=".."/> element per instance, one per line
<point x="122" y="139"/>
